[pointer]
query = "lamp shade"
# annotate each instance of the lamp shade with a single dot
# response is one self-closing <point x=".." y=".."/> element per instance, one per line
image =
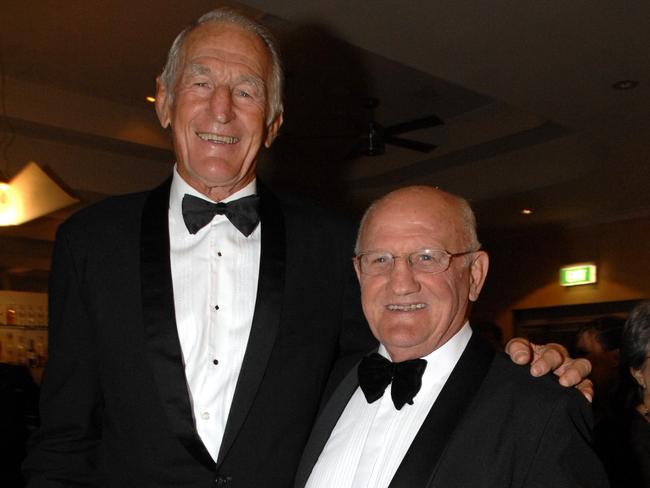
<point x="29" y="195"/>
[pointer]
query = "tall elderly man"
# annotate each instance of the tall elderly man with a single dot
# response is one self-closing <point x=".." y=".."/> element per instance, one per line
<point x="436" y="406"/>
<point x="188" y="347"/>
<point x="193" y="327"/>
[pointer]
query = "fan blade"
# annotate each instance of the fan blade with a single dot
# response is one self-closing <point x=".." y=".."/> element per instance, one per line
<point x="423" y="123"/>
<point x="409" y="144"/>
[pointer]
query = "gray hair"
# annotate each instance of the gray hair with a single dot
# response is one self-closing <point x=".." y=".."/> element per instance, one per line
<point x="635" y="342"/>
<point x="465" y="215"/>
<point x="227" y="15"/>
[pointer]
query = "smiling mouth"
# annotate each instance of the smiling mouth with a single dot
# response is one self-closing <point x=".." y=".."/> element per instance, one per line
<point x="405" y="308"/>
<point x="217" y="138"/>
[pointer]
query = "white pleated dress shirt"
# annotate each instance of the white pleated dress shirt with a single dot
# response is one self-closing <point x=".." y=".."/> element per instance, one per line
<point x="214" y="274"/>
<point x="370" y="440"/>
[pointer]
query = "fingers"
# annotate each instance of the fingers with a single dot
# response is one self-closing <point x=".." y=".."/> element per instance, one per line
<point x="519" y="350"/>
<point x="574" y="371"/>
<point x="542" y="358"/>
<point x="549" y="357"/>
<point x="552" y="357"/>
<point x="586" y="387"/>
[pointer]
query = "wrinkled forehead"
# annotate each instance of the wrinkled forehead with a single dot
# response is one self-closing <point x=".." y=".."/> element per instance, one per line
<point x="227" y="42"/>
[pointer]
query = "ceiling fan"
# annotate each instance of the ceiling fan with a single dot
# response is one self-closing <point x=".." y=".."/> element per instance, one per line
<point x="376" y="136"/>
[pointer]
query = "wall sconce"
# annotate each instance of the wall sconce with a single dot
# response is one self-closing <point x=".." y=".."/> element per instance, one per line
<point x="29" y="195"/>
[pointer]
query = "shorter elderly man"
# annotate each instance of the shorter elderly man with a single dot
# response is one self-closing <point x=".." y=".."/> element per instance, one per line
<point x="436" y="406"/>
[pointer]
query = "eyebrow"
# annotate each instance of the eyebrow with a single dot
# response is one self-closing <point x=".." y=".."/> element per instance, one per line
<point x="255" y="81"/>
<point x="199" y="69"/>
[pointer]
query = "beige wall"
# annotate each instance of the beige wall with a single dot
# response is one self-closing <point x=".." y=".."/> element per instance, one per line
<point x="524" y="268"/>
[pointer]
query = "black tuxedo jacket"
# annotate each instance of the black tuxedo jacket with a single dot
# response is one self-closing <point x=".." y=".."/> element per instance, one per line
<point x="114" y="404"/>
<point x="493" y="425"/>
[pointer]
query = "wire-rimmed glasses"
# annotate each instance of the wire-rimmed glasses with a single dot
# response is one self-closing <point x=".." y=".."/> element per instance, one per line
<point x="432" y="261"/>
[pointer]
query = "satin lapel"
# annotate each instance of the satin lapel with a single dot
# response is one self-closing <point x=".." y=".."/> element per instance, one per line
<point x="266" y="318"/>
<point x="421" y="460"/>
<point x="325" y="423"/>
<point x="162" y="343"/>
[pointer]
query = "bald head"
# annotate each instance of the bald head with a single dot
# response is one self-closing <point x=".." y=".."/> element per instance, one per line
<point x="426" y="199"/>
<point x="419" y="267"/>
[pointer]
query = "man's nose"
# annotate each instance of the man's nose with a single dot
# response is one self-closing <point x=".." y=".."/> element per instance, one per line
<point x="221" y="104"/>
<point x="402" y="278"/>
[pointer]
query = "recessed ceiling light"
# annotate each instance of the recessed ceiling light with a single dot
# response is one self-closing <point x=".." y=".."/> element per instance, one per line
<point x="625" y="85"/>
<point x="526" y="211"/>
<point x="151" y="99"/>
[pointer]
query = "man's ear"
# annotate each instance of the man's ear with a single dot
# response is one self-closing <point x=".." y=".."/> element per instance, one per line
<point x="272" y="130"/>
<point x="477" y="273"/>
<point x="355" y="261"/>
<point x="637" y="374"/>
<point x="162" y="107"/>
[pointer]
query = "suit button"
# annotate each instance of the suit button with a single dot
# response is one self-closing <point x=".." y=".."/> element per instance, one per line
<point x="222" y="481"/>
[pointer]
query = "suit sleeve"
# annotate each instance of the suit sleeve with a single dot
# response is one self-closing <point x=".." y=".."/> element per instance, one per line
<point x="64" y="449"/>
<point x="565" y="456"/>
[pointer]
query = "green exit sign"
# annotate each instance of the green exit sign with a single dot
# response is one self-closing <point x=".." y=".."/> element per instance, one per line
<point x="579" y="274"/>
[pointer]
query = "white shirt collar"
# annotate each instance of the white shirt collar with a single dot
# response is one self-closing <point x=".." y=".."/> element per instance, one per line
<point x="451" y="349"/>
<point x="180" y="187"/>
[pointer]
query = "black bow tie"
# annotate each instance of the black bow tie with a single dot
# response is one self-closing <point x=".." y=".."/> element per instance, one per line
<point x="242" y="213"/>
<point x="376" y="373"/>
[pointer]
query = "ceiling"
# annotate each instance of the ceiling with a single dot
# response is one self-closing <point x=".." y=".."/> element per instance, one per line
<point x="525" y="90"/>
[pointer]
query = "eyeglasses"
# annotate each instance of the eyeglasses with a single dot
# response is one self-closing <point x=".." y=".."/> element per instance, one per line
<point x="430" y="261"/>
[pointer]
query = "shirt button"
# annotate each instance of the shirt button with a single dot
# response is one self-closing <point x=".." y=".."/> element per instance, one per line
<point x="219" y="253"/>
<point x="205" y="416"/>
<point x="222" y="481"/>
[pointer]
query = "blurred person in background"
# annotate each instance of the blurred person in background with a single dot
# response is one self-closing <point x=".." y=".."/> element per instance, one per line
<point x="635" y="418"/>
<point x="599" y="341"/>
